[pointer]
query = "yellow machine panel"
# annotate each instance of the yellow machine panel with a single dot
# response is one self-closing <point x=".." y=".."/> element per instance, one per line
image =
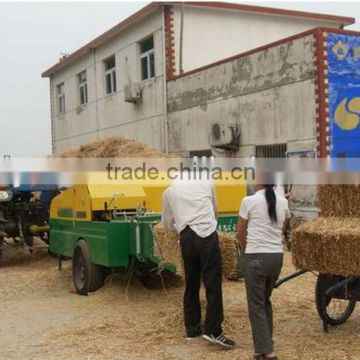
<point x="79" y="201"/>
<point x="61" y="206"/>
<point x="229" y="198"/>
<point x="82" y="203"/>
<point x="114" y="197"/>
<point x="73" y="203"/>
<point x="154" y="197"/>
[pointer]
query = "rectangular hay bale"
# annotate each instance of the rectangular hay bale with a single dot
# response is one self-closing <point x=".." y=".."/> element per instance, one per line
<point x="339" y="200"/>
<point x="167" y="247"/>
<point x="328" y="245"/>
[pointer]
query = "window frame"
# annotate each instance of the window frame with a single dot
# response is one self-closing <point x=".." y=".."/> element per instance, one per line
<point x="83" y="86"/>
<point x="147" y="55"/>
<point x="60" y="97"/>
<point x="111" y="72"/>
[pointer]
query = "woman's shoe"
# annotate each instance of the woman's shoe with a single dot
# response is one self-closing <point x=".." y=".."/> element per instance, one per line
<point x="258" y="357"/>
<point x="263" y="357"/>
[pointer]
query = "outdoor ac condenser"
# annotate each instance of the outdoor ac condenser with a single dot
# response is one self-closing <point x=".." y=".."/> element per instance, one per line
<point x="132" y="93"/>
<point x="225" y="136"/>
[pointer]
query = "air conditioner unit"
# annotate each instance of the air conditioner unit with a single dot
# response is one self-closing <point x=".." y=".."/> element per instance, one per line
<point x="225" y="136"/>
<point x="132" y="93"/>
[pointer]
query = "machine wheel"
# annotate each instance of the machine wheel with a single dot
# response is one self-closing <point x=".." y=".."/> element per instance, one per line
<point x="332" y="311"/>
<point x="87" y="276"/>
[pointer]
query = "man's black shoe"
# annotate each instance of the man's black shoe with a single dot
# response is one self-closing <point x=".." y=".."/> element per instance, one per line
<point x="221" y="340"/>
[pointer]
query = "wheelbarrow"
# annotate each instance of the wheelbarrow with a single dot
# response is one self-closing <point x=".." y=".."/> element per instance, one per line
<point x="335" y="296"/>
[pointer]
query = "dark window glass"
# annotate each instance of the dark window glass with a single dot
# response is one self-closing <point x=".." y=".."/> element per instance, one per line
<point x="152" y="65"/>
<point x="144" y="68"/>
<point x="62" y="104"/>
<point x="110" y="63"/>
<point x="82" y="77"/>
<point x="114" y="81"/>
<point x="108" y="83"/>
<point x="146" y="45"/>
<point x="83" y="95"/>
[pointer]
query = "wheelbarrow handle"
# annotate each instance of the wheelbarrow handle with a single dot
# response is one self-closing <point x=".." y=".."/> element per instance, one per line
<point x="290" y="277"/>
<point x="331" y="290"/>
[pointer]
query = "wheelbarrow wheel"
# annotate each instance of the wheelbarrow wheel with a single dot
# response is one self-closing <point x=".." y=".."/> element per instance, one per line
<point x="87" y="277"/>
<point x="332" y="311"/>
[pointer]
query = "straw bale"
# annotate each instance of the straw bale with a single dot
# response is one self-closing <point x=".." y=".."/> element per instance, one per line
<point x="339" y="200"/>
<point x="112" y="147"/>
<point x="328" y="245"/>
<point x="229" y="253"/>
<point x="167" y="247"/>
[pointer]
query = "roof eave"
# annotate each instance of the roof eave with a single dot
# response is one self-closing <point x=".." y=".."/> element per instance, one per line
<point x="345" y="20"/>
<point x="109" y="34"/>
<point x="339" y="20"/>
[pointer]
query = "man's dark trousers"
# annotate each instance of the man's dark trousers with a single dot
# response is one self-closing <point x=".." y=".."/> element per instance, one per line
<point x="202" y="260"/>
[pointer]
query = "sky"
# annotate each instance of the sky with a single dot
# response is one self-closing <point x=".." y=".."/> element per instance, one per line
<point x="34" y="34"/>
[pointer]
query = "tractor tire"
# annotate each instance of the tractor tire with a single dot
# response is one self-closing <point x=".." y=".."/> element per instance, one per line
<point x="87" y="277"/>
<point x="324" y="303"/>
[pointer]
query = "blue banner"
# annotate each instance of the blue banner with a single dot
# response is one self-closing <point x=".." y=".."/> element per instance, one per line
<point x="343" y="52"/>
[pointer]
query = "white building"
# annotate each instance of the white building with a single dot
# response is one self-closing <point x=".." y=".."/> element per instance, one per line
<point x="117" y="83"/>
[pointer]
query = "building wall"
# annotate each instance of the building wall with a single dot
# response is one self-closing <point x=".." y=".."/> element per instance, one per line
<point x="212" y="34"/>
<point x="109" y="115"/>
<point x="209" y="35"/>
<point x="270" y="94"/>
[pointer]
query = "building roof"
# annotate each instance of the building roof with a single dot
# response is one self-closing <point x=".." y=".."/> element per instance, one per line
<point x="145" y="11"/>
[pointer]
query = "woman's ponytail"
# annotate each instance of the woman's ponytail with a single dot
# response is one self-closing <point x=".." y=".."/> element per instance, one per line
<point x="271" y="202"/>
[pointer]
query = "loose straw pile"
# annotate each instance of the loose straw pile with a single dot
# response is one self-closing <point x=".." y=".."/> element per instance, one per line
<point x="112" y="147"/>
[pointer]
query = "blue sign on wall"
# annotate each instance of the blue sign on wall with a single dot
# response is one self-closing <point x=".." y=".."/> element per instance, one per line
<point x="343" y="52"/>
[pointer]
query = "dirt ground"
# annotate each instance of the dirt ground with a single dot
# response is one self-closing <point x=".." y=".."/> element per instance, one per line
<point x="42" y="318"/>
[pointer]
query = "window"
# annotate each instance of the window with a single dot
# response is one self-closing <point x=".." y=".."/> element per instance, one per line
<point x="83" y="89"/>
<point x="110" y="75"/>
<point x="60" y="91"/>
<point x="201" y="153"/>
<point x="147" y="58"/>
<point x="271" y="151"/>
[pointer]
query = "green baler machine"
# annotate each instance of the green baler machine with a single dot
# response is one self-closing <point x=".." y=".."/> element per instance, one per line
<point x="102" y="232"/>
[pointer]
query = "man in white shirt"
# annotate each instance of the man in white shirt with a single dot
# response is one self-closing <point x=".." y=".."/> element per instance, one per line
<point x="190" y="209"/>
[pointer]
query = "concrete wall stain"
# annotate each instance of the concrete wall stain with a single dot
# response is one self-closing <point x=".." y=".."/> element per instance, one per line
<point x="278" y="66"/>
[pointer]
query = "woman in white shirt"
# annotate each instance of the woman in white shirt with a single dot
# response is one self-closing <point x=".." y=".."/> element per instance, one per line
<point x="260" y="228"/>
